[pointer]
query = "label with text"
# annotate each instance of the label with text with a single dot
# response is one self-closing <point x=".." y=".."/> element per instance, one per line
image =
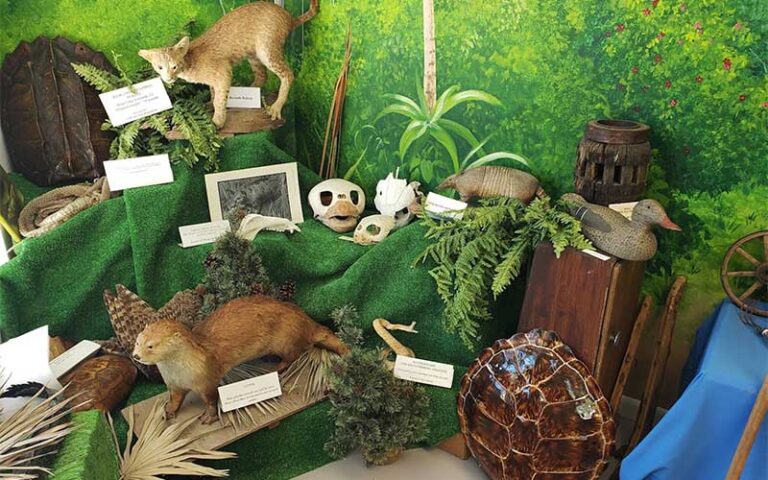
<point x="138" y="172"/>
<point x="244" y="97"/>
<point x="127" y="104"/>
<point x="73" y="357"/>
<point x="248" y="392"/>
<point x="623" y="208"/>
<point x="441" y="207"/>
<point x="424" y="371"/>
<point x="595" y="254"/>
<point x="203" y="233"/>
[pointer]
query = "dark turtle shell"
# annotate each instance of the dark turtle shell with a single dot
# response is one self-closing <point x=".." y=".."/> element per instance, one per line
<point x="529" y="408"/>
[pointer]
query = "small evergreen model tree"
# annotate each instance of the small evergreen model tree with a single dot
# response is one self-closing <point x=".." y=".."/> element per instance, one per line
<point x="234" y="269"/>
<point x="146" y="136"/>
<point x="479" y="255"/>
<point x="371" y="409"/>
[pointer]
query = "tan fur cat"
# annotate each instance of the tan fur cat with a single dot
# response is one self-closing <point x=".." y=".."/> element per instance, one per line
<point x="256" y="32"/>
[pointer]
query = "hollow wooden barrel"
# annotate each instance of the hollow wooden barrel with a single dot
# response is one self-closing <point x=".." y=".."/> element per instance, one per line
<point x="613" y="161"/>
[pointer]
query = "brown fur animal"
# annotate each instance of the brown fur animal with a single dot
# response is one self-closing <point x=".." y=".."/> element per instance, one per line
<point x="240" y="330"/>
<point x="493" y="181"/>
<point x="255" y="32"/>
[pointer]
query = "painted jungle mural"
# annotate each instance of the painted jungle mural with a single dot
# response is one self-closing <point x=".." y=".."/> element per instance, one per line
<point x="522" y="78"/>
<point x="511" y="82"/>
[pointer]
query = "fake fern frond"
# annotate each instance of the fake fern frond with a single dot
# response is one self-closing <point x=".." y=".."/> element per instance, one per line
<point x="189" y="116"/>
<point x="99" y="79"/>
<point x="478" y="257"/>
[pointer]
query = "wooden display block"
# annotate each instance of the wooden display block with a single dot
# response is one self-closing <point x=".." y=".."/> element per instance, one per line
<point x="591" y="303"/>
<point x="234" y="425"/>
<point x="239" y="120"/>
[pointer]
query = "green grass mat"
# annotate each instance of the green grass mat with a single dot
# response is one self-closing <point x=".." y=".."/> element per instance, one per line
<point x="59" y="278"/>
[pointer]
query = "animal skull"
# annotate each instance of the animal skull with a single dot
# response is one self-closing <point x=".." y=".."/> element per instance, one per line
<point x="373" y="229"/>
<point x="337" y="203"/>
<point x="394" y="196"/>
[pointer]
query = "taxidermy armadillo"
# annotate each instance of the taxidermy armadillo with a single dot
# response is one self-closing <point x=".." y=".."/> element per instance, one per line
<point x="484" y="182"/>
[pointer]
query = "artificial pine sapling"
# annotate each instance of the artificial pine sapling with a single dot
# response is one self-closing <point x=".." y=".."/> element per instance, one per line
<point x="477" y="257"/>
<point x="371" y="409"/>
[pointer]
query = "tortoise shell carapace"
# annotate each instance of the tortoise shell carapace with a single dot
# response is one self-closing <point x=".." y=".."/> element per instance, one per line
<point x="529" y="408"/>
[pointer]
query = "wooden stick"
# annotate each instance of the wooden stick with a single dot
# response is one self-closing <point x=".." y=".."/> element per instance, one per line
<point x="750" y="433"/>
<point x="629" y="357"/>
<point x="649" y="399"/>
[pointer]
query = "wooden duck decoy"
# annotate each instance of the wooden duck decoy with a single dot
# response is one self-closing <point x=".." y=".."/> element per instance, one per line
<point x="614" y="234"/>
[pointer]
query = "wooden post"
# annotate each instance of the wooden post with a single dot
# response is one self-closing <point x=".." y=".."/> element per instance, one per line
<point x="750" y="433"/>
<point x="629" y="357"/>
<point x="430" y="55"/>
<point x="649" y="399"/>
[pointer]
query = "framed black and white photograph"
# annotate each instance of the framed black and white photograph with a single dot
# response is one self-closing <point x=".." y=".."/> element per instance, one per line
<point x="271" y="191"/>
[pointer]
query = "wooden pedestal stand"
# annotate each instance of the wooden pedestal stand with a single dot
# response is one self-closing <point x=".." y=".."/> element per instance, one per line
<point x="591" y="303"/>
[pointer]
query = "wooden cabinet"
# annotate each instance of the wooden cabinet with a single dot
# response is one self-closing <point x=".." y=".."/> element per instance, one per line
<point x="590" y="302"/>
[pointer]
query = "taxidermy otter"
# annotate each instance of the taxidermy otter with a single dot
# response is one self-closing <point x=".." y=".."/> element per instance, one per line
<point x="255" y="32"/>
<point x="240" y="330"/>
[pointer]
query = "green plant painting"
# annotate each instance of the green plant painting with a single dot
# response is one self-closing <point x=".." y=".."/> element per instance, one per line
<point x="695" y="71"/>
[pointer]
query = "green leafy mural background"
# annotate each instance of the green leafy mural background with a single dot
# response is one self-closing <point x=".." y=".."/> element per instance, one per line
<point x="695" y="70"/>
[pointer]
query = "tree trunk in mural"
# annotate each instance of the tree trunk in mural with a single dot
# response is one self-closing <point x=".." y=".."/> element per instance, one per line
<point x="430" y="56"/>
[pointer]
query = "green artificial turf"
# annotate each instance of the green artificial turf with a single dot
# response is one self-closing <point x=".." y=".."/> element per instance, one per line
<point x="89" y="451"/>
<point x="58" y="279"/>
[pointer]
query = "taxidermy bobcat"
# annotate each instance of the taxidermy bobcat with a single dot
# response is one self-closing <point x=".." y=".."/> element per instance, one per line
<point x="256" y="32"/>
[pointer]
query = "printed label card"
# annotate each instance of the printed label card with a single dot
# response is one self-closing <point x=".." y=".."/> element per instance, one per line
<point x="73" y="357"/>
<point x="248" y="392"/>
<point x="244" y="97"/>
<point x="442" y="207"/>
<point x="424" y="371"/>
<point x="623" y="208"/>
<point x="203" y="233"/>
<point x="127" y="104"/>
<point x="138" y="172"/>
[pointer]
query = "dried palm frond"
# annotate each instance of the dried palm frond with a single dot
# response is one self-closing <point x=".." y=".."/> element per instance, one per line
<point x="306" y="372"/>
<point x="331" y="143"/>
<point x="32" y="433"/>
<point x="162" y="449"/>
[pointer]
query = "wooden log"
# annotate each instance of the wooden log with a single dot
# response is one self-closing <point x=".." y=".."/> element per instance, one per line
<point x="754" y="423"/>
<point x="649" y="400"/>
<point x="631" y="354"/>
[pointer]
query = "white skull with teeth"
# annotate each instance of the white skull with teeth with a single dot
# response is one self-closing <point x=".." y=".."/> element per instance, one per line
<point x="337" y="203"/>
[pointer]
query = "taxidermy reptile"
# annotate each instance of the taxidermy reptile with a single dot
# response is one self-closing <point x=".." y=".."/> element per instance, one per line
<point x="255" y="32"/>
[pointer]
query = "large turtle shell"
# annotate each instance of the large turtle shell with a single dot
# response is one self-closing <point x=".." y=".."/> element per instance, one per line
<point x="101" y="383"/>
<point x="529" y="409"/>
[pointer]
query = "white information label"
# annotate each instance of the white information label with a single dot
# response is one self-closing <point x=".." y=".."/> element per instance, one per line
<point x="147" y="98"/>
<point x="439" y="206"/>
<point x="424" y="371"/>
<point x="595" y="254"/>
<point x="244" y="97"/>
<point x="202" y="233"/>
<point x="138" y="172"/>
<point x="248" y="392"/>
<point x="72" y="357"/>
<point x="623" y="208"/>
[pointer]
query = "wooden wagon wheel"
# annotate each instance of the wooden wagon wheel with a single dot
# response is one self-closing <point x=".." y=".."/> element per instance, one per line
<point x="758" y="271"/>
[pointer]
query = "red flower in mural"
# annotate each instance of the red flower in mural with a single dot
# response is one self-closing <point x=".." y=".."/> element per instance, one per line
<point x="698" y="26"/>
<point x="673" y="103"/>
<point x="765" y="104"/>
<point x="699" y="79"/>
<point x="727" y="64"/>
<point x="667" y="84"/>
<point x="661" y="36"/>
<point x="737" y="26"/>
<point x="655" y="3"/>
<point x="683" y="7"/>
<point x="742" y="97"/>
<point x="635" y="70"/>
<point x="658" y="59"/>
<point x="620" y="27"/>
<point x="647" y="12"/>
